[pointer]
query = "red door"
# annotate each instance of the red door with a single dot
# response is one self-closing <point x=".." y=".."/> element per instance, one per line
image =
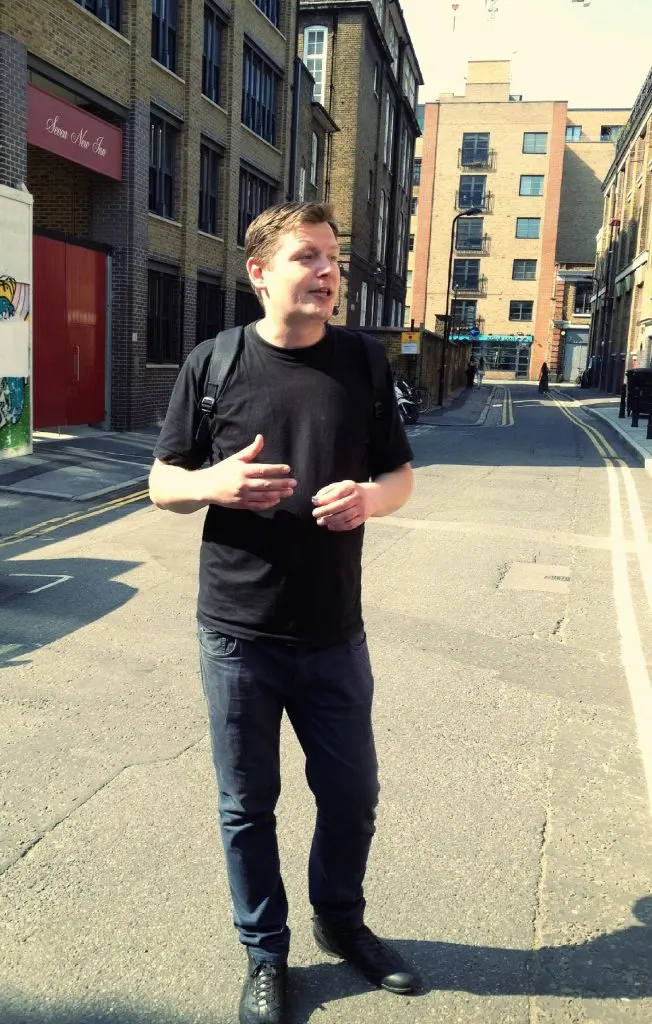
<point x="69" y="333"/>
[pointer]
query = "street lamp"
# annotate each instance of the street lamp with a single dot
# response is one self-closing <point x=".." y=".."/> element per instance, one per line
<point x="471" y="212"/>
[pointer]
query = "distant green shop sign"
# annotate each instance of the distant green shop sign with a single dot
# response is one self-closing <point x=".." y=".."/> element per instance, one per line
<point x="496" y="339"/>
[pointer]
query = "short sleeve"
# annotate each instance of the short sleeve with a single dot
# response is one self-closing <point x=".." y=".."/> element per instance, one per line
<point x="177" y="443"/>
<point x="390" y="446"/>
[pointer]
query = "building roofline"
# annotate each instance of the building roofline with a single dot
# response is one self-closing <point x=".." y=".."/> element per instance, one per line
<point x="324" y="118"/>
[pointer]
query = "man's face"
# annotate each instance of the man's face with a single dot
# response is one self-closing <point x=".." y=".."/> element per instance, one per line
<point x="302" y="279"/>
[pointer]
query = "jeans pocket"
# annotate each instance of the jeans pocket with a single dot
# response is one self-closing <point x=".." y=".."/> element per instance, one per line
<point x="358" y="641"/>
<point x="216" y="644"/>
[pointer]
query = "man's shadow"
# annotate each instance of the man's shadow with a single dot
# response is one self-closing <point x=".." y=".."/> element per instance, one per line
<point x="615" y="966"/>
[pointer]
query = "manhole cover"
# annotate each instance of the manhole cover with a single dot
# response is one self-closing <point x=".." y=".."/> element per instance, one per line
<point x="534" y="576"/>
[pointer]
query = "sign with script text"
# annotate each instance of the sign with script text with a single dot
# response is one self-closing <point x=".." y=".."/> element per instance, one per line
<point x="73" y="133"/>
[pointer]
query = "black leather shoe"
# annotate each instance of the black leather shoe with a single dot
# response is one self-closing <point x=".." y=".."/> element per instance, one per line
<point x="264" y="994"/>
<point x="377" y="960"/>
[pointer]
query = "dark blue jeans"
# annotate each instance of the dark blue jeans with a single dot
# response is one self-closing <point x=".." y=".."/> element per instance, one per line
<point x="327" y="694"/>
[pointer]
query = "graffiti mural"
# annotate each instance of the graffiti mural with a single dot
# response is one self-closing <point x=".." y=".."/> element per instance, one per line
<point x="15" y="418"/>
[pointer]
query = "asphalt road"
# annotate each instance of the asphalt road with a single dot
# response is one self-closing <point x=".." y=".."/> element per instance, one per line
<point x="509" y="613"/>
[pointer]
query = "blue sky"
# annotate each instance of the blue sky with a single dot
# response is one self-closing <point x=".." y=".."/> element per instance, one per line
<point x="595" y="56"/>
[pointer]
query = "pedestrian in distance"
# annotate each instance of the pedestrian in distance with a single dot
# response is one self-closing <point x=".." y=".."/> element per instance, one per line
<point x="470" y="373"/>
<point x="480" y="371"/>
<point x="301" y="459"/>
<point x="544" y="379"/>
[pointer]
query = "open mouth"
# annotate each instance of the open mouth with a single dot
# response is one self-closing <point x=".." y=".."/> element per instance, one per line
<point x="322" y="293"/>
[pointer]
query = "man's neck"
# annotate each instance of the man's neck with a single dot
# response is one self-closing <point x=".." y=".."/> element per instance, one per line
<point x="291" y="335"/>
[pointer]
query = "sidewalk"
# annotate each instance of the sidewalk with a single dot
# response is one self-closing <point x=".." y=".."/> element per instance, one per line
<point x="80" y="464"/>
<point x="467" y="407"/>
<point x="606" y="408"/>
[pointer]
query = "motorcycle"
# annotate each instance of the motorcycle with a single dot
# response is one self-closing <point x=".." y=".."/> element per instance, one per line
<point x="407" y="405"/>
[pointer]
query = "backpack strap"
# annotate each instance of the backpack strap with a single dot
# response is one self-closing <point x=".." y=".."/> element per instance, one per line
<point x="226" y="348"/>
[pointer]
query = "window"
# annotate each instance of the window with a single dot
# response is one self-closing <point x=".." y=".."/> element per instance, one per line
<point x="520" y="310"/>
<point x="163" y="319"/>
<point x="414" y="205"/>
<point x="469" y="233"/>
<point x="464" y="312"/>
<point x="255" y="195"/>
<point x="531" y="185"/>
<point x="582" y="303"/>
<point x="535" y="142"/>
<point x="403" y="175"/>
<point x="409" y="84"/>
<point x="302" y="180"/>
<point x="247" y="306"/>
<point x="209" y="180"/>
<point x="379" y="308"/>
<point x="162" y="145"/>
<point x="524" y="270"/>
<point x="210" y="309"/>
<point x="466" y="273"/>
<point x="416" y="174"/>
<point x="212" y="57"/>
<point x="259" y="94"/>
<point x="381" y="231"/>
<point x="315" y="44"/>
<point x="406" y="316"/>
<point x="314" y="159"/>
<point x="573" y="132"/>
<point x="376" y="79"/>
<point x="472" y="190"/>
<point x="400" y="244"/>
<point x="392" y="40"/>
<point x="475" y="149"/>
<point x="411" y="243"/>
<point x="408" y="281"/>
<point x="528" y="227"/>
<point x="421" y="115"/>
<point x="364" y="295"/>
<point x="389" y="132"/>
<point x="610" y="132"/>
<point x="378" y="8"/>
<point x="271" y="9"/>
<point x="164" y="32"/>
<point x="107" y="11"/>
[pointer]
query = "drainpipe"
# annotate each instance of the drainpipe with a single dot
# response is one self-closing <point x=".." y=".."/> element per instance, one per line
<point x="296" y="104"/>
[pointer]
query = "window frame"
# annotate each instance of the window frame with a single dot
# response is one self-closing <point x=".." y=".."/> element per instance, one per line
<point x="480" y="153"/>
<point x="212" y="63"/>
<point x="109" y="12"/>
<point x="526" y="265"/>
<point x="532" y="178"/>
<point x="310" y="60"/>
<point x="522" y="220"/>
<point x="271" y="9"/>
<point x="573" y="133"/>
<point x="314" y="159"/>
<point x="466" y="279"/>
<point x="261" y="80"/>
<point x="464" y="320"/>
<point x="535" y="151"/>
<point x="364" y="299"/>
<point x="587" y="290"/>
<point x="513" y="303"/>
<point x="165" y="29"/>
<point x="162" y="176"/>
<point x="381" y="231"/>
<point x="475" y="200"/>
<point x="252" y="185"/>
<point x="167" y="292"/>
<point x="209" y="199"/>
<point x="416" y="171"/>
<point x="206" y="326"/>
<point x="464" y="226"/>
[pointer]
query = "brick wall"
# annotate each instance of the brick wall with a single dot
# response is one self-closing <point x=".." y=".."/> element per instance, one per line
<point x="13" y="110"/>
<point x="63" y="194"/>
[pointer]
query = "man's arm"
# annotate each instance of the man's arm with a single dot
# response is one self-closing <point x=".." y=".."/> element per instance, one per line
<point x="237" y="482"/>
<point x="347" y="505"/>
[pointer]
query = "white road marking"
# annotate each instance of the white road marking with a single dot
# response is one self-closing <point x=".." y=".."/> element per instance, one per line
<point x="56" y="579"/>
<point x="642" y="543"/>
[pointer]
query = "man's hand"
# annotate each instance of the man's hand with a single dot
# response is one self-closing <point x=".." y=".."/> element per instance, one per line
<point x="239" y="482"/>
<point x="343" y="506"/>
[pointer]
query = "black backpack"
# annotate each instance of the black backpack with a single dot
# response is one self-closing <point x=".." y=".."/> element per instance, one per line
<point x="226" y="349"/>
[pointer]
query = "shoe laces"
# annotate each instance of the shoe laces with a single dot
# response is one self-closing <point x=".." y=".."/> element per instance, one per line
<point x="265" y="976"/>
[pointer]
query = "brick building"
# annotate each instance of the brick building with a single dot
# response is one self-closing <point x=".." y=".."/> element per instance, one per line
<point x="150" y="133"/>
<point x="531" y="171"/>
<point x="621" y="333"/>
<point x="366" y="77"/>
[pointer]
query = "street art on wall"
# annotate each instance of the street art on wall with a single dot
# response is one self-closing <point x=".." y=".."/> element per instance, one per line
<point x="15" y="418"/>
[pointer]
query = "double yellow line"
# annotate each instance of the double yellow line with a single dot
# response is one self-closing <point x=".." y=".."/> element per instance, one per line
<point x="599" y="441"/>
<point x="508" y="409"/>
<point x="50" y="525"/>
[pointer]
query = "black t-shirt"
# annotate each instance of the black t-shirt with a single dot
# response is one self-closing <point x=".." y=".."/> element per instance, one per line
<point x="276" y="574"/>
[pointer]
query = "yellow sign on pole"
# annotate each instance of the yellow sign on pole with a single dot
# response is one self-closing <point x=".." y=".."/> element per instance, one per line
<point x="410" y="343"/>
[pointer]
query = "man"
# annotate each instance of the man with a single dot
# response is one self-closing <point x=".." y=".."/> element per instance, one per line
<point x="280" y="628"/>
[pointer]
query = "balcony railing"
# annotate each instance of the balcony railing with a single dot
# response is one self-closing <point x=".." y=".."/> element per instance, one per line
<point x="478" y="161"/>
<point x="464" y="201"/>
<point x="472" y="287"/>
<point x="461" y="329"/>
<point x="479" y="246"/>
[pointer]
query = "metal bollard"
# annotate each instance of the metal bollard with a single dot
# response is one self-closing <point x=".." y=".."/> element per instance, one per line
<point x="648" y="433"/>
<point x="623" y="402"/>
<point x="635" y="397"/>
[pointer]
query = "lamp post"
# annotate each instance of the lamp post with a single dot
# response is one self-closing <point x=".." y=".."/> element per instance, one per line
<point x="471" y="212"/>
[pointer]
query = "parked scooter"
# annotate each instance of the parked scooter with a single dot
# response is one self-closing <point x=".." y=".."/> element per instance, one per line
<point x="407" y="405"/>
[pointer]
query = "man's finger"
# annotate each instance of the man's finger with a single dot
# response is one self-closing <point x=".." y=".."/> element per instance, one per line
<point x="252" y="450"/>
<point x="333" y="491"/>
<point x="261" y="469"/>
<point x="270" y="484"/>
<point x="335" y="506"/>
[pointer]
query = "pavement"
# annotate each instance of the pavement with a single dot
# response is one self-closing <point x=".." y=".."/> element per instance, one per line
<point x="507" y="607"/>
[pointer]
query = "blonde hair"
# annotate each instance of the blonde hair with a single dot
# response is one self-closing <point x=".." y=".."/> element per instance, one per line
<point x="263" y="234"/>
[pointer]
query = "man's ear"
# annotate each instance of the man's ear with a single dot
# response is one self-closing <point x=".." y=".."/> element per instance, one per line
<point x="255" y="270"/>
